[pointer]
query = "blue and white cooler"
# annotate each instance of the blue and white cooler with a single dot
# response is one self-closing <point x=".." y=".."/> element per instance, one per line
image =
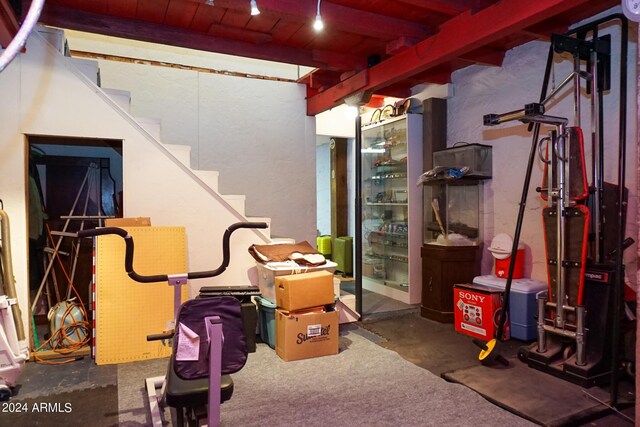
<point x="522" y="303"/>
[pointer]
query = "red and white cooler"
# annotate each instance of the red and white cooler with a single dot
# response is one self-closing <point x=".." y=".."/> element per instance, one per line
<point x="500" y="248"/>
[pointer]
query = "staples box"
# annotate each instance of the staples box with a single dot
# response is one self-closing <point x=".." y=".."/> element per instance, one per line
<point x="306" y="290"/>
<point x="477" y="311"/>
<point x="306" y="335"/>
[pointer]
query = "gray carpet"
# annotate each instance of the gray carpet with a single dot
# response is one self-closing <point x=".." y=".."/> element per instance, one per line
<point x="364" y="385"/>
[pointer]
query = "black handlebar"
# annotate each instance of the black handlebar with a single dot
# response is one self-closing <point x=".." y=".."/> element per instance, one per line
<point x="128" y="258"/>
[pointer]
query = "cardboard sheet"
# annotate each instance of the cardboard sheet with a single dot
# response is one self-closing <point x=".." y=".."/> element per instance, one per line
<point x="128" y="311"/>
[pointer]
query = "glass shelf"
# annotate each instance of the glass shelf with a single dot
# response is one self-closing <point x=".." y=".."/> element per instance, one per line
<point x="391" y="161"/>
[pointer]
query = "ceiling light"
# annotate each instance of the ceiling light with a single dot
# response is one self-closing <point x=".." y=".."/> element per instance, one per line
<point x="254" y="8"/>
<point x="318" y="25"/>
<point x="209" y="2"/>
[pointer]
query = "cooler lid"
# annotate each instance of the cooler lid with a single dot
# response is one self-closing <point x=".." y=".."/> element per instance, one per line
<point x="525" y="285"/>
<point x="501" y="246"/>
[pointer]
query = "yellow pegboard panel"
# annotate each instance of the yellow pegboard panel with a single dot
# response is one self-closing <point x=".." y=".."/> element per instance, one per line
<point x="128" y="311"/>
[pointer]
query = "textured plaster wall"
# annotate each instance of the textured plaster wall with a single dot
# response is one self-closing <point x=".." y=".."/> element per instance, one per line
<point x="481" y="90"/>
<point x="43" y="94"/>
<point x="254" y="132"/>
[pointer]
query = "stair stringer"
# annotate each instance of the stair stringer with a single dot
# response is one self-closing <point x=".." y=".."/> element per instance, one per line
<point x="183" y="199"/>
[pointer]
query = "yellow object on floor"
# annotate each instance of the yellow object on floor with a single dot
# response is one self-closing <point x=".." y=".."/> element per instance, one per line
<point x="128" y="311"/>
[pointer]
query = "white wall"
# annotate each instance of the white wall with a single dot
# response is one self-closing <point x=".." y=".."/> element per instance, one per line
<point x="43" y="94"/>
<point x="254" y="132"/>
<point x="481" y="90"/>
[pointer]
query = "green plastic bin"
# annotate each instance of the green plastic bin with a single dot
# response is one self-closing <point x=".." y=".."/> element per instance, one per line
<point x="267" y="321"/>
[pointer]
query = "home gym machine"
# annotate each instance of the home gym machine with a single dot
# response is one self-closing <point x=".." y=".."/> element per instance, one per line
<point x="580" y="316"/>
<point x="208" y="339"/>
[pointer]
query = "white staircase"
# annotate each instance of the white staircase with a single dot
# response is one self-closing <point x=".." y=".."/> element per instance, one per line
<point x="158" y="180"/>
<point x="182" y="153"/>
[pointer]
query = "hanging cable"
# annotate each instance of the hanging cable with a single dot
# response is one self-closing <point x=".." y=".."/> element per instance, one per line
<point x="21" y="36"/>
<point x="318" y="25"/>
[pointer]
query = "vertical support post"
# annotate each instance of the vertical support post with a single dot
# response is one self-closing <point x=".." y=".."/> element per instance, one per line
<point x="357" y="262"/>
<point x="542" y="337"/>
<point x="580" y="336"/>
<point x="214" y="333"/>
<point x="177" y="280"/>
<point x="558" y="141"/>
<point x="596" y="157"/>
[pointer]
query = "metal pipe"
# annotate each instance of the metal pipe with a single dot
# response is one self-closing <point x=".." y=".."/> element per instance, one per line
<point x="358" y="220"/>
<point x="23" y="33"/>
<point x="516" y="234"/>
<point x="563" y="307"/>
<point x="581" y="343"/>
<point x="559" y="331"/>
<point x="617" y="290"/>
<point x="7" y="270"/>
<point x="596" y="158"/>
<point x="574" y="76"/>
<point x="576" y="90"/>
<point x="542" y="337"/>
<point x="559" y="145"/>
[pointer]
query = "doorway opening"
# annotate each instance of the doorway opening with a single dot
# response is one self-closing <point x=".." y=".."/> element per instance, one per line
<point x="73" y="184"/>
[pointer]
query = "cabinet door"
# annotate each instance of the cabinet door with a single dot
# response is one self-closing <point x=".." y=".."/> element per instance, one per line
<point x="385" y="225"/>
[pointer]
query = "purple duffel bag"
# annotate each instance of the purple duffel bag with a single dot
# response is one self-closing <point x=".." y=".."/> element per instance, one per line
<point x="234" y="348"/>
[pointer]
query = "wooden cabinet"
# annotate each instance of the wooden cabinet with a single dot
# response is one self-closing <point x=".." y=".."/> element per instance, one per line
<point x="443" y="267"/>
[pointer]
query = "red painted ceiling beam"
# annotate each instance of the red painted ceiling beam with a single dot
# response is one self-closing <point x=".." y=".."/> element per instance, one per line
<point x="336" y="17"/>
<point x="145" y="31"/>
<point x="458" y="36"/>
<point x="8" y="23"/>
<point x="445" y="7"/>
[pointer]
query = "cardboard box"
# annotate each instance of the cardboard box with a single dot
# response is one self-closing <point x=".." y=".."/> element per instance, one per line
<point x="477" y="311"/>
<point x="306" y="335"/>
<point x="306" y="290"/>
<point x="141" y="221"/>
<point x="267" y="276"/>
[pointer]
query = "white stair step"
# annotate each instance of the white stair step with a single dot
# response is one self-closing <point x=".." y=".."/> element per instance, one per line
<point x="208" y="177"/>
<point x="236" y="201"/>
<point x="151" y="125"/>
<point x="53" y="36"/>
<point x="88" y="67"/>
<point x="180" y="152"/>
<point x="121" y="97"/>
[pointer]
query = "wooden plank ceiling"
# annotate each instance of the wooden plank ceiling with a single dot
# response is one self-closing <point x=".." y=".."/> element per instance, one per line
<point x="367" y="46"/>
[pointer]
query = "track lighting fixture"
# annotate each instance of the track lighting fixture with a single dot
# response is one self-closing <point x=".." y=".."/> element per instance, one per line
<point x="318" y="25"/>
<point x="254" y="8"/>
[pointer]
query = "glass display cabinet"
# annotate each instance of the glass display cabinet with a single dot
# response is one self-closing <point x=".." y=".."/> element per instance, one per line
<point x="451" y="252"/>
<point x="391" y="163"/>
<point x="452" y="213"/>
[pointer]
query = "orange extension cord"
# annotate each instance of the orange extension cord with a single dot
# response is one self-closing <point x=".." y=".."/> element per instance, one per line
<point x="61" y="340"/>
